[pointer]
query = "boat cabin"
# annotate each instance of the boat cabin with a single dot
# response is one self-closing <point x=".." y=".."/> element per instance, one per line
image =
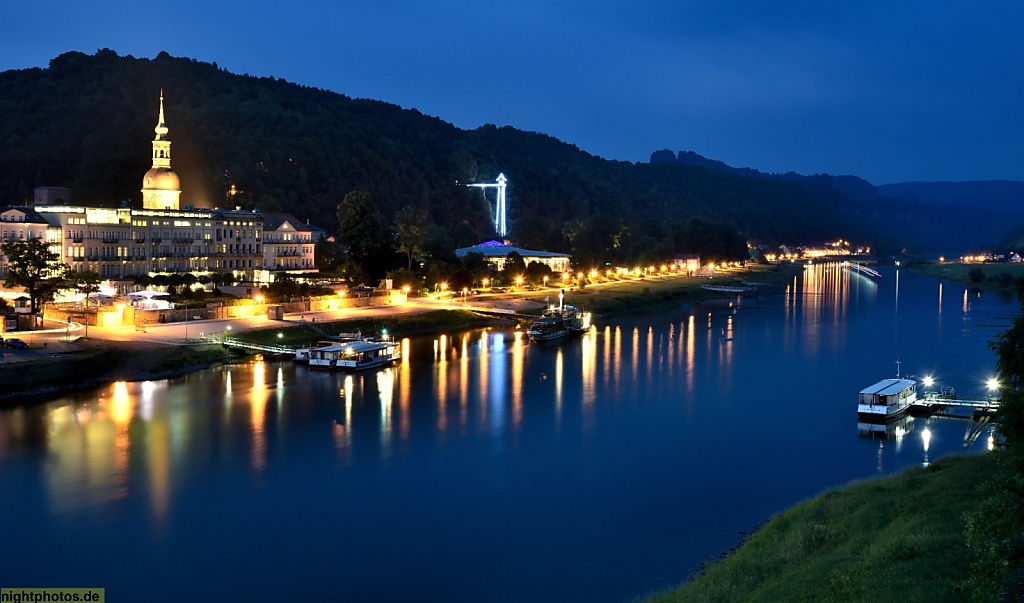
<point x="890" y="392"/>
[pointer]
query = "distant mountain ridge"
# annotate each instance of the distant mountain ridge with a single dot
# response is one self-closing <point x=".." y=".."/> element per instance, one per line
<point x="1006" y="195"/>
<point x="86" y="122"/>
<point x="927" y="216"/>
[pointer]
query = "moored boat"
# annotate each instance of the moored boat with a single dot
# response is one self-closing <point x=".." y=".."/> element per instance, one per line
<point x="547" y="328"/>
<point x="887" y="400"/>
<point x="559" y="321"/>
<point x="356" y="355"/>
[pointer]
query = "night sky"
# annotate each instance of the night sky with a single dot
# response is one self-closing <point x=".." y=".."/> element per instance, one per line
<point x="889" y="91"/>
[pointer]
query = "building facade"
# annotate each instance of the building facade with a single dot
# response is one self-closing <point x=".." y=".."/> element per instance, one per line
<point x="162" y="238"/>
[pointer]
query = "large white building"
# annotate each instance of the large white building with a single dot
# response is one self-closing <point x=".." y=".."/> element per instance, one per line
<point x="120" y="243"/>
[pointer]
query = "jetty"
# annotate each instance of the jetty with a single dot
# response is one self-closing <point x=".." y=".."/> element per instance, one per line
<point x="270" y="350"/>
<point x="862" y="269"/>
<point x="977" y="413"/>
<point x="746" y="290"/>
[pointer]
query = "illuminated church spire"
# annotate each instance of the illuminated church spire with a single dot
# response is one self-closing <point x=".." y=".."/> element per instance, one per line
<point x="161" y="188"/>
<point x="161" y="146"/>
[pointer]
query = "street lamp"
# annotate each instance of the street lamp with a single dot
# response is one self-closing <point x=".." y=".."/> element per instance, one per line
<point x="485" y="282"/>
<point x="519" y="281"/>
<point x="227" y="331"/>
<point x="545" y="281"/>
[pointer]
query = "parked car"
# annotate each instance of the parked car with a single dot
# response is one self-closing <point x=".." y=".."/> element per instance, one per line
<point x="15" y="344"/>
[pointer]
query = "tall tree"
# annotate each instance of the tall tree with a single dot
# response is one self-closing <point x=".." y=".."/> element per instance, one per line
<point x="32" y="265"/>
<point x="411" y="227"/>
<point x="362" y="230"/>
<point x="85" y="282"/>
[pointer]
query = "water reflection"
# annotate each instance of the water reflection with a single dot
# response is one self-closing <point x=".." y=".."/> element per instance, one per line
<point x="149" y="439"/>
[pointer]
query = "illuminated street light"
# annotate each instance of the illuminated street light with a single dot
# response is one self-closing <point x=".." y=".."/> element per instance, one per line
<point x="993" y="384"/>
<point x="519" y="281"/>
<point x="485" y="282"/>
<point x="928" y="381"/>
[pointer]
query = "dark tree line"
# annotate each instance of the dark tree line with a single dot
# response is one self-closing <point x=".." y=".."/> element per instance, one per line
<point x="86" y="122"/>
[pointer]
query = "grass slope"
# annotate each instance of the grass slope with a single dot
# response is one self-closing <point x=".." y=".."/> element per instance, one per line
<point x="892" y="539"/>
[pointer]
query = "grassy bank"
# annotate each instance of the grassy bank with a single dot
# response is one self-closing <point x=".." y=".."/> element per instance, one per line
<point x="656" y="294"/>
<point x="399" y="325"/>
<point x="100" y="362"/>
<point x="896" y="539"/>
<point x="994" y="277"/>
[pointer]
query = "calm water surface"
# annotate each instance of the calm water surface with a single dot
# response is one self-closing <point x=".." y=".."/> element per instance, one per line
<point x="485" y="467"/>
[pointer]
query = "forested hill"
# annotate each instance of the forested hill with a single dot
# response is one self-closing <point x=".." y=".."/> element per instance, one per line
<point x="919" y="216"/>
<point x="86" y="122"/>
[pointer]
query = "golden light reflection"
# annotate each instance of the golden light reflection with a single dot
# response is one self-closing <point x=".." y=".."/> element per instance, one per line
<point x="385" y="384"/>
<point x="691" y="330"/>
<point x="617" y="358"/>
<point x="588" y="358"/>
<point x="442" y="389"/>
<point x="559" y="382"/>
<point x="120" y="410"/>
<point x="464" y="383"/>
<point x="636" y="353"/>
<point x="517" y="379"/>
<point x="606" y="364"/>
<point x="257" y="415"/>
<point x="483" y="373"/>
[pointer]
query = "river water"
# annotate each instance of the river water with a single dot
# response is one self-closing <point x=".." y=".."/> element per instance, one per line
<point x="485" y="467"/>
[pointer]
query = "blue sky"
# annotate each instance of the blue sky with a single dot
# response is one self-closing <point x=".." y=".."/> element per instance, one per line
<point x="889" y="91"/>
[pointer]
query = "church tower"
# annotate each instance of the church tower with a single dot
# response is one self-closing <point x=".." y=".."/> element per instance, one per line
<point x="161" y="188"/>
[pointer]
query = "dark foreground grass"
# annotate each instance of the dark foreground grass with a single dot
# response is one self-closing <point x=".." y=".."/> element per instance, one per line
<point x="893" y="539"/>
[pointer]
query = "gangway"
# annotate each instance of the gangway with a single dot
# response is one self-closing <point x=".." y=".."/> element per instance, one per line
<point x="275" y="350"/>
<point x="862" y="269"/>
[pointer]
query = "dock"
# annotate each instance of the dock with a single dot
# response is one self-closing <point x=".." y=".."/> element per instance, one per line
<point x="977" y="413"/>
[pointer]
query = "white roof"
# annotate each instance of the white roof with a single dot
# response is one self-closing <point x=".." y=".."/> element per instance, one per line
<point x="888" y="387"/>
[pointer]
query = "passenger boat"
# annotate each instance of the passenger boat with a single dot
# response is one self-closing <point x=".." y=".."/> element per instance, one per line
<point x="302" y="354"/>
<point x="547" y="328"/>
<point x="887" y="400"/>
<point x="560" y="321"/>
<point x="357" y="355"/>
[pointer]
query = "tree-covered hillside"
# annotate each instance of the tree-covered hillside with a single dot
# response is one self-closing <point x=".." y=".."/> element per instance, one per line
<point x="86" y="122"/>
<point x="917" y="216"/>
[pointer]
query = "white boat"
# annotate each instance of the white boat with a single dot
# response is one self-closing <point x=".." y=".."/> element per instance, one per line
<point x="302" y="354"/>
<point x="355" y="355"/>
<point x="887" y="400"/>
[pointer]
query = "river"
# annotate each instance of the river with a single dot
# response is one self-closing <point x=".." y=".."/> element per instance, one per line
<point x="484" y="467"/>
